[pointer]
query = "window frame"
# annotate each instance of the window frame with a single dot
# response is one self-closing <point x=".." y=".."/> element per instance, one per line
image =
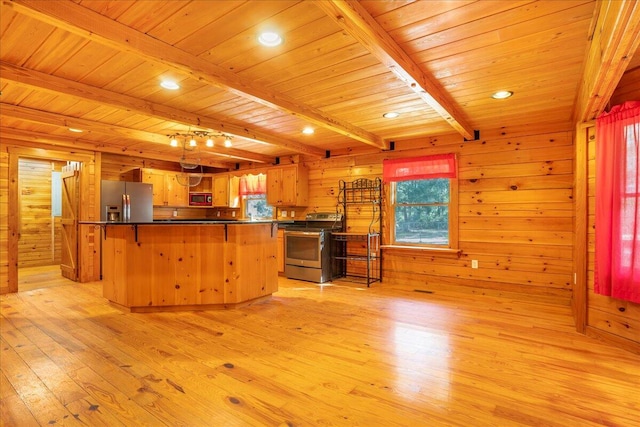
<point x="453" y="220"/>
<point x="245" y="206"/>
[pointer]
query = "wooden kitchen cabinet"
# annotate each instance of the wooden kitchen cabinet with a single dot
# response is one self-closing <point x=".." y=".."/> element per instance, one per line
<point x="288" y="186"/>
<point x="221" y="190"/>
<point x="176" y="193"/>
<point x="280" y="251"/>
<point x="166" y="189"/>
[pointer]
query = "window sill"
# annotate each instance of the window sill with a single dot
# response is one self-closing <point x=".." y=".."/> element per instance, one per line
<point x="442" y="251"/>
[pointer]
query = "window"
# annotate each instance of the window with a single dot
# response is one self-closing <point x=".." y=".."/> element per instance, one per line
<point x="423" y="201"/>
<point x="256" y="207"/>
<point x="253" y="190"/>
<point x="421" y="211"/>
<point x="617" y="220"/>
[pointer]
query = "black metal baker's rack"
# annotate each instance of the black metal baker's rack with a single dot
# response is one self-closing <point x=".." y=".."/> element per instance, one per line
<point x="357" y="253"/>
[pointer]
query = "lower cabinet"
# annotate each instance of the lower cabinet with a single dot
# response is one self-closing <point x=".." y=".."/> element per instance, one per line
<point x="280" y="252"/>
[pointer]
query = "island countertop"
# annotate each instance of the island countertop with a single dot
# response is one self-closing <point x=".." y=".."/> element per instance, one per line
<point x="181" y="222"/>
<point x="188" y="265"/>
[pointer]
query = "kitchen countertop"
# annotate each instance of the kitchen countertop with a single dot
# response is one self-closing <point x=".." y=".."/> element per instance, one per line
<point x="181" y="222"/>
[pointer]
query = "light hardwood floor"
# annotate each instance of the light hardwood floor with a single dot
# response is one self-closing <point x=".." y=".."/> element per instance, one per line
<point x="311" y="356"/>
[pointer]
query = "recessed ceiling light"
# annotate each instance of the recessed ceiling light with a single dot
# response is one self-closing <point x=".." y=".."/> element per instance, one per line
<point x="170" y="84"/>
<point x="209" y="142"/>
<point x="390" y="115"/>
<point x="270" y="38"/>
<point x="502" y="94"/>
<point x="75" y="130"/>
<point x="308" y="130"/>
<point x="227" y="142"/>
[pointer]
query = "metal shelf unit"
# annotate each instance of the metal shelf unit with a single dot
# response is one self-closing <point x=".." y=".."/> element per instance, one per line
<point x="357" y="255"/>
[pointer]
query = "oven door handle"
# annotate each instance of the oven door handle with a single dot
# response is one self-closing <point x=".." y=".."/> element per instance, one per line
<point x="302" y="233"/>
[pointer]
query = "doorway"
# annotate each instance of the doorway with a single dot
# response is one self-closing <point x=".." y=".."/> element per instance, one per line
<point x="47" y="226"/>
<point x="87" y="264"/>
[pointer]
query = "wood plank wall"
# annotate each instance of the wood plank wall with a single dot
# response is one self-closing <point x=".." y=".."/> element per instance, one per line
<point x="40" y="235"/>
<point x="515" y="212"/>
<point x="4" y="222"/>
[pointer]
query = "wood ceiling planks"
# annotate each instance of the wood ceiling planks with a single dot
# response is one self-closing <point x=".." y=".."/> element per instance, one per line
<point x="320" y="76"/>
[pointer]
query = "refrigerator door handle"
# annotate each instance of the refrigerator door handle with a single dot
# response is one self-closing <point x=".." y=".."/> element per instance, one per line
<point x="126" y="208"/>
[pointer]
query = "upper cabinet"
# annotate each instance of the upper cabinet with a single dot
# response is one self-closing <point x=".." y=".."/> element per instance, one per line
<point x="221" y="190"/>
<point x="177" y="194"/>
<point x="166" y="189"/>
<point x="288" y="185"/>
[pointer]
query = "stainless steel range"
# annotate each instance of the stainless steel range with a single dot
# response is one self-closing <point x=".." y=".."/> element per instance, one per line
<point x="308" y="247"/>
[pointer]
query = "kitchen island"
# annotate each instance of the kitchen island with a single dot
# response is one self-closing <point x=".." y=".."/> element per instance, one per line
<point x="188" y="265"/>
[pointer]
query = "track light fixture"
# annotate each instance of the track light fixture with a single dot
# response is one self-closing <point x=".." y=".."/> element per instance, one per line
<point x="192" y="139"/>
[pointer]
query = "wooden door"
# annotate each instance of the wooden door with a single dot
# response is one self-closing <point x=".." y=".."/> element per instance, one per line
<point x="69" y="222"/>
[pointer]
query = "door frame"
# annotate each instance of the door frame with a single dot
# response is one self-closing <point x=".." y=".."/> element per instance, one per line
<point x="88" y="259"/>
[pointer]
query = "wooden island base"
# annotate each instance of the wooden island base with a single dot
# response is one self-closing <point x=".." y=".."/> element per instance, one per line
<point x="193" y="307"/>
<point x="178" y="267"/>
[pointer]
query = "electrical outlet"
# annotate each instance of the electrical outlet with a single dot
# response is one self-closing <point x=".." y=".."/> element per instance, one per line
<point x="293" y="214"/>
<point x="474" y="263"/>
<point x="175" y="212"/>
<point x="218" y="214"/>
<point x="233" y="214"/>
<point x="283" y="214"/>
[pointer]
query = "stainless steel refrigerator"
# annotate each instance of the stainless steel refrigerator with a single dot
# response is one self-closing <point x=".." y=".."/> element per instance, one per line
<point x="124" y="201"/>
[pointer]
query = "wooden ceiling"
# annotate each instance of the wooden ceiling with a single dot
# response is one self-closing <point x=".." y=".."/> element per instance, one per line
<point x="96" y="66"/>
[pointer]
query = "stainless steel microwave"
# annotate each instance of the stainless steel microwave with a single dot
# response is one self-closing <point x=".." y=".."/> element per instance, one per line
<point x="200" y="199"/>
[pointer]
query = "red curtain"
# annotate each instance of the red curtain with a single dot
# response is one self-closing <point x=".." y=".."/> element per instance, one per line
<point x="617" y="266"/>
<point x="253" y="184"/>
<point x="427" y="167"/>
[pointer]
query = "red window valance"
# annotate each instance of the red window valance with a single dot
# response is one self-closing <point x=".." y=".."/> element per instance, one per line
<point x="253" y="184"/>
<point x="426" y="167"/>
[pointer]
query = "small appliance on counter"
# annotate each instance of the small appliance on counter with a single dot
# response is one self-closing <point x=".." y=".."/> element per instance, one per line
<point x="124" y="201"/>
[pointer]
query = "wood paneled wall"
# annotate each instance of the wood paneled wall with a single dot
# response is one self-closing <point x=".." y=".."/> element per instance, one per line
<point x="515" y="212"/>
<point x="39" y="242"/>
<point x="628" y="89"/>
<point x="4" y="222"/>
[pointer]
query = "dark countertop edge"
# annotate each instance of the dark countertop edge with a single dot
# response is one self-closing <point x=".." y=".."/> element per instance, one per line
<point x="163" y="222"/>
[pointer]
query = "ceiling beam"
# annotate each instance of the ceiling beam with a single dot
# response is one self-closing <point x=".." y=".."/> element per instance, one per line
<point x="615" y="38"/>
<point x="79" y="144"/>
<point x="27" y="77"/>
<point x="55" y="119"/>
<point x="91" y="25"/>
<point x="354" y="19"/>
